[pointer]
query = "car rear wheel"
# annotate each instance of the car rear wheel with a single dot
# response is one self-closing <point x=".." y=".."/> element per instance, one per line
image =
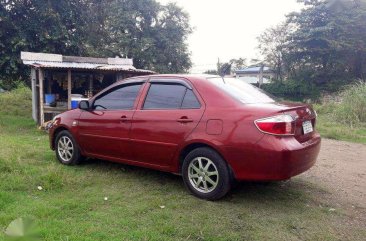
<point x="66" y="149"/>
<point x="206" y="174"/>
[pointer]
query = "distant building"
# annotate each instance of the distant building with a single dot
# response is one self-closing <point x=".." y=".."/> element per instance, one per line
<point x="252" y="74"/>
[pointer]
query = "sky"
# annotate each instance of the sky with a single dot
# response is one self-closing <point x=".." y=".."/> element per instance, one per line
<point x="228" y="29"/>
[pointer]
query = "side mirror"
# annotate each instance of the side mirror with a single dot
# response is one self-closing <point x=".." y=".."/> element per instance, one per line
<point x="84" y="105"/>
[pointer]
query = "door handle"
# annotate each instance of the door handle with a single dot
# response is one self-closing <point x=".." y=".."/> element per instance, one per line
<point x="125" y="118"/>
<point x="184" y="119"/>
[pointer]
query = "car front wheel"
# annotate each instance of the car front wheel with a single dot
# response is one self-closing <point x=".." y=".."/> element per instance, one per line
<point x="66" y="149"/>
<point x="206" y="174"/>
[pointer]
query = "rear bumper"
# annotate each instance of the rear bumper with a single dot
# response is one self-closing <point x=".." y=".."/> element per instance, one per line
<point x="275" y="158"/>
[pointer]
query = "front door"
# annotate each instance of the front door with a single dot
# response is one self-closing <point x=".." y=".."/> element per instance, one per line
<point x="104" y="130"/>
<point x="169" y="114"/>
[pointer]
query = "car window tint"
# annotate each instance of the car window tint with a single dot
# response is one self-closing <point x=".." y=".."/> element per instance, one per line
<point x="190" y="101"/>
<point x="165" y="96"/>
<point x="122" y="98"/>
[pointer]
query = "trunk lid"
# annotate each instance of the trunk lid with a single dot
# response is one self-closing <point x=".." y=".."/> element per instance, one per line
<point x="302" y="113"/>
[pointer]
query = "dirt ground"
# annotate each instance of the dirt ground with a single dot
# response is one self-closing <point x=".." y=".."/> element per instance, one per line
<point x="341" y="171"/>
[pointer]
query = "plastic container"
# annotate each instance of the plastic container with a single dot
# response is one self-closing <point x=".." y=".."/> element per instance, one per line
<point x="49" y="98"/>
<point x="75" y="102"/>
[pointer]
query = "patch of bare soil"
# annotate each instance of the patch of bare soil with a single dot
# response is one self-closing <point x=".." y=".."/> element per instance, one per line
<point x="341" y="171"/>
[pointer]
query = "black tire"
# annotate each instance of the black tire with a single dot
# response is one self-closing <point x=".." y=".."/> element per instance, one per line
<point x="195" y="184"/>
<point x="75" y="156"/>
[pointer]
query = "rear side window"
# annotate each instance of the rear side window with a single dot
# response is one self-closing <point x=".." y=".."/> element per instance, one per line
<point x="190" y="101"/>
<point x="170" y="96"/>
<point x="119" y="98"/>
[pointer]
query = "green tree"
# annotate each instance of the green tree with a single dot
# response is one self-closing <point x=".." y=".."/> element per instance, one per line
<point x="323" y="43"/>
<point x="238" y="63"/>
<point x="273" y="46"/>
<point x="152" y="34"/>
<point x="40" y="26"/>
<point x="329" y="41"/>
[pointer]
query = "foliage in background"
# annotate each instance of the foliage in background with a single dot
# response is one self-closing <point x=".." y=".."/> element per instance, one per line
<point x="17" y="102"/>
<point x="272" y="44"/>
<point x="345" y="120"/>
<point x="296" y="90"/>
<point x="212" y="71"/>
<point x="323" y="43"/>
<point x="239" y="63"/>
<point x="352" y="109"/>
<point x="227" y="68"/>
<point x="154" y="35"/>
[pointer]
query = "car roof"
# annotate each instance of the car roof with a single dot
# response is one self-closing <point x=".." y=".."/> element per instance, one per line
<point x="191" y="77"/>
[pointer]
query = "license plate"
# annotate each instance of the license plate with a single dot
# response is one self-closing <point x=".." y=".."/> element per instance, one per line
<point x="307" y="127"/>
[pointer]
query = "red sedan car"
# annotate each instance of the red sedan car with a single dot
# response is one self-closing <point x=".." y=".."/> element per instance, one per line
<point x="209" y="129"/>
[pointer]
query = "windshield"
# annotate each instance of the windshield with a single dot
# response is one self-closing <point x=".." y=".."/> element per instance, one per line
<point x="242" y="91"/>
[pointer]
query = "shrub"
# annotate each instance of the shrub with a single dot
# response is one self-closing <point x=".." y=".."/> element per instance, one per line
<point x="297" y="90"/>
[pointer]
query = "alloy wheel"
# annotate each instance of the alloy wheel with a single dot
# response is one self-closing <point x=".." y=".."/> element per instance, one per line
<point x="203" y="174"/>
<point x="65" y="148"/>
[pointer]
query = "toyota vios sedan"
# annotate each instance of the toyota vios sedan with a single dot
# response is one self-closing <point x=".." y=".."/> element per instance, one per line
<point x="210" y="130"/>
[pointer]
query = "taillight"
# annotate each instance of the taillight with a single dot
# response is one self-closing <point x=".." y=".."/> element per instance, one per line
<point x="277" y="125"/>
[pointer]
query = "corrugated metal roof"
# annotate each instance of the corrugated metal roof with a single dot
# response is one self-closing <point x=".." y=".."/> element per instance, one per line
<point x="46" y="60"/>
<point x="255" y="69"/>
<point x="88" y="66"/>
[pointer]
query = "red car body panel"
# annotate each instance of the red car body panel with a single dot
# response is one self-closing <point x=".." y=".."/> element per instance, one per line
<point x="157" y="138"/>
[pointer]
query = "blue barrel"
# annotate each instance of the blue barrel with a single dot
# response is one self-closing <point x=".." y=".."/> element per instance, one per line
<point x="49" y="98"/>
<point x="74" y="103"/>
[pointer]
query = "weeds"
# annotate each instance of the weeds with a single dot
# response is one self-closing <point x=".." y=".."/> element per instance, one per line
<point x="345" y="120"/>
<point x="17" y="102"/>
<point x="352" y="110"/>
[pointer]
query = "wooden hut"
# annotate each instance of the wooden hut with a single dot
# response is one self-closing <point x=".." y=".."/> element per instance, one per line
<point x="57" y="80"/>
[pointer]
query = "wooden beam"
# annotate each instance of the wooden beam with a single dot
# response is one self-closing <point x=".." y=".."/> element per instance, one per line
<point x="69" y="89"/>
<point x="41" y="95"/>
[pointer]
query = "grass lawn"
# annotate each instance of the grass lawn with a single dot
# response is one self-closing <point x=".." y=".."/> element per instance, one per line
<point x="71" y="205"/>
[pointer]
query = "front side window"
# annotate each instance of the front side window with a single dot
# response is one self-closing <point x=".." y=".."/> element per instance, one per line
<point x="170" y="96"/>
<point x="119" y="98"/>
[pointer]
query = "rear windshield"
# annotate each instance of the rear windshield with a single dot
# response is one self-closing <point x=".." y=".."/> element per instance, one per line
<point x="242" y="91"/>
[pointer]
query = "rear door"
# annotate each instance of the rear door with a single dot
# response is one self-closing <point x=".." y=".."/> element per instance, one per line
<point x="168" y="114"/>
<point x="104" y="130"/>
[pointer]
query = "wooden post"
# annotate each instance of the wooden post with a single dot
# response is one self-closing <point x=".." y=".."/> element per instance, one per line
<point x="90" y="84"/>
<point x="260" y="82"/>
<point x="41" y="95"/>
<point x="69" y="89"/>
<point x="49" y="87"/>
<point x="34" y="94"/>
